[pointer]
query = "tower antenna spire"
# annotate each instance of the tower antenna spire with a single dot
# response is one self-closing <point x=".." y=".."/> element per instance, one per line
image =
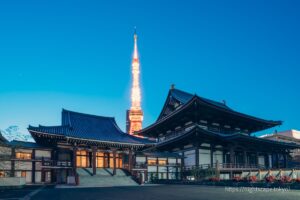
<point x="135" y="114"/>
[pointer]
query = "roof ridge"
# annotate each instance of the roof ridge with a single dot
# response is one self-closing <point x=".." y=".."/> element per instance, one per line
<point x="182" y="91"/>
<point x="42" y="126"/>
<point x="85" y="114"/>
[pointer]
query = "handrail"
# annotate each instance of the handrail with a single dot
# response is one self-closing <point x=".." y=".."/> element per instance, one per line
<point x="143" y="165"/>
<point x="186" y="128"/>
<point x="56" y="163"/>
<point x="225" y="166"/>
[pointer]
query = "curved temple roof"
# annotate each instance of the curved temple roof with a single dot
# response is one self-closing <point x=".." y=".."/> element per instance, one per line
<point x="89" y="127"/>
<point x="184" y="99"/>
<point x="224" y="137"/>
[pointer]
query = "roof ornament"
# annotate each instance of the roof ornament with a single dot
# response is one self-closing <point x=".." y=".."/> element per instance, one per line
<point x="224" y="102"/>
<point x="172" y="86"/>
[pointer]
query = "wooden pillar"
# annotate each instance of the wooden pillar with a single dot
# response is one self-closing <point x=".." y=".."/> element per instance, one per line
<point x="167" y="168"/>
<point x="182" y="165"/>
<point x="94" y="158"/>
<point x="146" y="171"/>
<point x="108" y="159"/>
<point x="43" y="171"/>
<point x="130" y="160"/>
<point x="211" y="156"/>
<point x="245" y="158"/>
<point x="53" y="172"/>
<point x="13" y="156"/>
<point x="33" y="166"/>
<point x="224" y="156"/>
<point x="176" y="169"/>
<point x="232" y="156"/>
<point x="285" y="156"/>
<point x="157" y="168"/>
<point x="277" y="160"/>
<point x="114" y="161"/>
<point x="74" y="158"/>
<point x="266" y="157"/>
<point x="197" y="155"/>
<point x="146" y="176"/>
<point x="104" y="160"/>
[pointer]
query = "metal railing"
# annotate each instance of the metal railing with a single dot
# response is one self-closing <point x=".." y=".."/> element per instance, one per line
<point x="223" y="166"/>
<point x="186" y="128"/>
<point x="145" y="165"/>
<point x="176" y="133"/>
<point x="56" y="163"/>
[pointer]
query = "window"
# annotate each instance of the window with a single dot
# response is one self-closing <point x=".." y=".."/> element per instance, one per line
<point x="25" y="156"/>
<point x="189" y="158"/>
<point x="99" y="161"/>
<point x="106" y="160"/>
<point x="23" y="174"/>
<point x="111" y="161"/>
<point x="151" y="161"/>
<point x="162" y="162"/>
<point x="204" y="158"/>
<point x="81" y="159"/>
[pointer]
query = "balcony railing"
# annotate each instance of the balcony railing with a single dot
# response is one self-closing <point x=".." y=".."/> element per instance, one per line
<point x="175" y="133"/>
<point x="225" y="166"/>
<point x="185" y="129"/>
<point x="56" y="164"/>
<point x="145" y="165"/>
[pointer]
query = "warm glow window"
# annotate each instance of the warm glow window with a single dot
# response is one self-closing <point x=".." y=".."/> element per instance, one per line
<point x="106" y="160"/>
<point x="162" y="162"/>
<point x="25" y="156"/>
<point x="151" y="161"/>
<point x="100" y="159"/>
<point x="82" y="159"/>
<point x="23" y="174"/>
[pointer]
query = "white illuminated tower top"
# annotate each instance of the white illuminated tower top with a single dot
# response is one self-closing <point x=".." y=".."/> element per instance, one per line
<point x="135" y="114"/>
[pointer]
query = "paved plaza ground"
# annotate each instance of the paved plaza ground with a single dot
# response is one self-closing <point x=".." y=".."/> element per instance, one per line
<point x="158" y="192"/>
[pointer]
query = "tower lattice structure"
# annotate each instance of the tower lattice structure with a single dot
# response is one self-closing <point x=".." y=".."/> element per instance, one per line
<point x="135" y="113"/>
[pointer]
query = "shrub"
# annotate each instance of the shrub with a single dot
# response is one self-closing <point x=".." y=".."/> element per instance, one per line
<point x="285" y="179"/>
<point x="252" y="179"/>
<point x="214" y="179"/>
<point x="270" y="179"/>
<point x="237" y="179"/>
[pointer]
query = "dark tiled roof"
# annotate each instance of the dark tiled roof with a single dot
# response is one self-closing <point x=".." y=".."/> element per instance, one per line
<point x="56" y="130"/>
<point x="90" y="127"/>
<point x="230" y="137"/>
<point x="184" y="97"/>
<point x="23" y="144"/>
<point x="187" y="99"/>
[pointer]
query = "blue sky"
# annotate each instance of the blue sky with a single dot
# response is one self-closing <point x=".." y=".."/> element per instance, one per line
<point x="76" y="55"/>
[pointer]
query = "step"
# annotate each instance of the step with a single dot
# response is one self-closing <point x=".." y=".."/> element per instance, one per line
<point x="101" y="181"/>
<point x="100" y="171"/>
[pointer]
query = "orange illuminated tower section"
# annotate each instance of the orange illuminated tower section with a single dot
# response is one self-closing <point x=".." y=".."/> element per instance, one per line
<point x="135" y="114"/>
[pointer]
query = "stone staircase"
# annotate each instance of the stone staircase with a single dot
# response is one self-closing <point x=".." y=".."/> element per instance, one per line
<point x="104" y="178"/>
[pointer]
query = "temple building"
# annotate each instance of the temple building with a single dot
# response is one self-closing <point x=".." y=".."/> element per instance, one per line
<point x="209" y="134"/>
<point x="86" y="141"/>
<point x="134" y="116"/>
